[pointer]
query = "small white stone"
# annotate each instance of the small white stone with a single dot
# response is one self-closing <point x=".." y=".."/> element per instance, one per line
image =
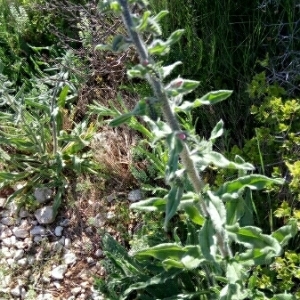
<point x="65" y="223"/>
<point x="67" y="243"/>
<point x="38" y="230"/>
<point x="58" y="230"/>
<point x="45" y="215"/>
<point x="58" y="272"/>
<point x="20" y="232"/>
<point x="7" y="252"/>
<point x="135" y="195"/>
<point x="56" y="284"/>
<point x="5" y="232"/>
<point x="16" y="291"/>
<point x="21" y="244"/>
<point x="31" y="260"/>
<point x="9" y="221"/>
<point x="110" y="215"/>
<point x="98" y="221"/>
<point x="2" y="201"/>
<point x="22" y="262"/>
<point x="10" y="261"/>
<point x="99" y="253"/>
<point x="42" y="194"/>
<point x="89" y="260"/>
<point x="70" y="258"/>
<point x="10" y="241"/>
<point x="23" y="213"/>
<point x="45" y="297"/>
<point x="76" y="290"/>
<point x="18" y="254"/>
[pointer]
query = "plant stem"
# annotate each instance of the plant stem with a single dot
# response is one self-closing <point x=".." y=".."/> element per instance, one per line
<point x="171" y="119"/>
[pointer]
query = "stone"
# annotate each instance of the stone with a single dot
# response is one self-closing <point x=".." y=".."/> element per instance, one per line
<point x="57" y="246"/>
<point x="21" y="244"/>
<point x="31" y="259"/>
<point x="38" y="230"/>
<point x="18" y="254"/>
<point x="23" y="213"/>
<point x="56" y="284"/>
<point x="90" y="260"/>
<point x="16" y="291"/>
<point x="62" y="240"/>
<point x="9" y="241"/>
<point x="20" y="232"/>
<point x="42" y="194"/>
<point x="64" y="223"/>
<point x="67" y="243"/>
<point x="135" y="195"/>
<point x="9" y="221"/>
<point x="98" y="221"/>
<point x="2" y="202"/>
<point x="59" y="272"/>
<point x="70" y="258"/>
<point x="45" y="215"/>
<point x="22" y="262"/>
<point x="5" y="232"/>
<point x="37" y="239"/>
<point x="7" y="252"/>
<point x="58" y="230"/>
<point x="76" y="290"/>
<point x="46" y="296"/>
<point x="99" y="253"/>
<point x="110" y="215"/>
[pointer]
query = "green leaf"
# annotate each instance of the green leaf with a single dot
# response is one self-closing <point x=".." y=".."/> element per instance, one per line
<point x="214" y="97"/>
<point x="235" y="209"/>
<point x="207" y="241"/>
<point x="194" y="214"/>
<point x="61" y="102"/>
<point x="231" y="189"/>
<point x="173" y="201"/>
<point x="162" y="252"/>
<point x="180" y="86"/>
<point x="193" y="258"/>
<point x="175" y="36"/>
<point x="138" y="71"/>
<point x="285" y="233"/>
<point x="217" y="159"/>
<point x="143" y="21"/>
<point x="151" y="204"/>
<point x="284" y="297"/>
<point x="168" y="69"/>
<point x="158" y="47"/>
<point x="217" y="131"/>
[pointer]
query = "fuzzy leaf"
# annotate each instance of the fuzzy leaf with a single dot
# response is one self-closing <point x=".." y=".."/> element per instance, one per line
<point x="207" y="241"/>
<point x="151" y="204"/>
<point x="217" y="131"/>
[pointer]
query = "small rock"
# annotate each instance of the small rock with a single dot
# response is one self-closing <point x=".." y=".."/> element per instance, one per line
<point x="16" y="291"/>
<point x="135" y="195"/>
<point x="67" y="243"/>
<point x="45" y="215"/>
<point x="58" y="272"/>
<point x="45" y="297"/>
<point x="23" y="213"/>
<point x="7" y="252"/>
<point x="70" y="258"/>
<point x="9" y="221"/>
<point x="31" y="260"/>
<point x="10" y="261"/>
<point x="110" y="215"/>
<point x="20" y="232"/>
<point x="42" y="195"/>
<point x="62" y="240"/>
<point x="76" y="290"/>
<point x="18" y="254"/>
<point x="98" y="221"/>
<point x="99" y="253"/>
<point x="5" y="232"/>
<point x="56" y="284"/>
<point x="58" y="230"/>
<point x="9" y="241"/>
<point x="38" y="230"/>
<point x="2" y="202"/>
<point x="37" y="239"/>
<point x="90" y="260"/>
<point x="65" y="223"/>
<point x="22" y="244"/>
<point x="22" y="262"/>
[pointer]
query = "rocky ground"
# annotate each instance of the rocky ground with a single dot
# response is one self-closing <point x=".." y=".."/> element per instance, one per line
<point x="47" y="258"/>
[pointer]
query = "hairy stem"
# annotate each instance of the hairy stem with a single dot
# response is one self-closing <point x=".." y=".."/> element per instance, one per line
<point x="171" y="119"/>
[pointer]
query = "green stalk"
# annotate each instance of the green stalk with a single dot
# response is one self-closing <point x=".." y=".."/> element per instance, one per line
<point x="171" y="119"/>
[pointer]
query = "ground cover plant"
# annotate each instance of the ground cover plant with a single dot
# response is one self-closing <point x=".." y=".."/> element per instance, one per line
<point x="222" y="244"/>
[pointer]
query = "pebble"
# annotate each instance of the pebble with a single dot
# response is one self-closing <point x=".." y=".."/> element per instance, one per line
<point x="38" y="230"/>
<point x="98" y="221"/>
<point x="18" y="254"/>
<point x="70" y="258"/>
<point x="9" y="241"/>
<point x="23" y="213"/>
<point x="76" y="290"/>
<point x="20" y="232"/>
<point x="45" y="297"/>
<point x="90" y="260"/>
<point x="5" y="232"/>
<point x="22" y="262"/>
<point x="2" y="201"/>
<point x="67" y="243"/>
<point x="8" y="221"/>
<point x="45" y="215"/>
<point x="99" y="253"/>
<point x="58" y="272"/>
<point x="42" y="194"/>
<point x="135" y="195"/>
<point x="65" y="223"/>
<point x="110" y="215"/>
<point x="17" y="291"/>
<point x="58" y="230"/>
